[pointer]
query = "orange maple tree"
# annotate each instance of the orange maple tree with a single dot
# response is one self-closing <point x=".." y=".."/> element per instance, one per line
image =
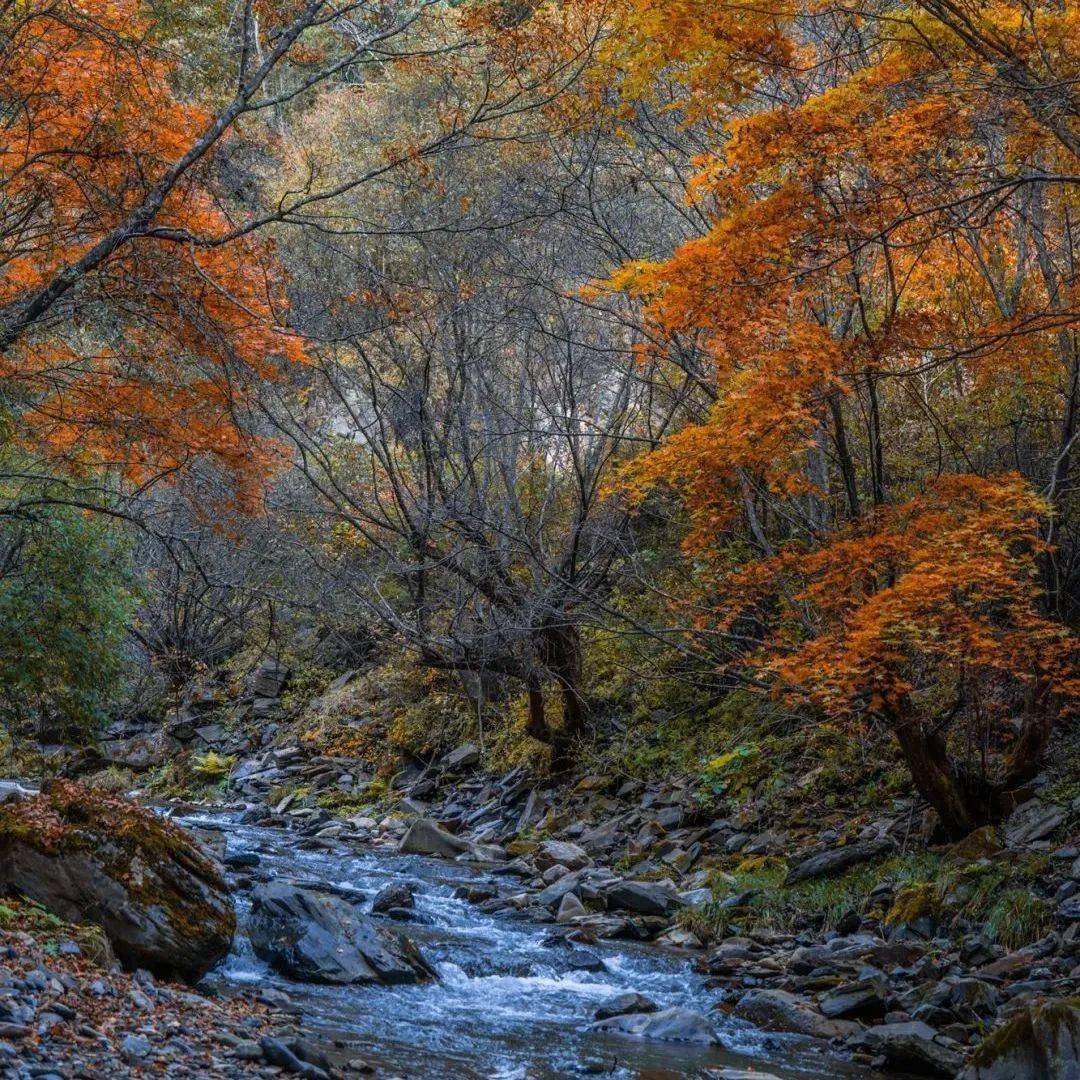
<point x="120" y="344"/>
<point x="885" y="306"/>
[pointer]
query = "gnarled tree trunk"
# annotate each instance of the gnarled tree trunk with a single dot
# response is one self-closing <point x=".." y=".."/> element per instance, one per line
<point x="561" y="653"/>
<point x="963" y="798"/>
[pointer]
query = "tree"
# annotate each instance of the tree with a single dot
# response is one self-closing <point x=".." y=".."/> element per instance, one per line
<point x="882" y="298"/>
<point x="467" y="402"/>
<point x="138" y="304"/>
<point x="66" y="594"/>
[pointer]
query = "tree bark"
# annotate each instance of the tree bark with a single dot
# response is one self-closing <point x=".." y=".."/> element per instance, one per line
<point x="536" y="726"/>
<point x="959" y="805"/>
<point x="965" y="800"/>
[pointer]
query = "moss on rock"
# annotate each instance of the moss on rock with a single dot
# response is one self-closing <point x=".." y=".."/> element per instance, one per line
<point x="89" y="856"/>
<point x="1039" y="1043"/>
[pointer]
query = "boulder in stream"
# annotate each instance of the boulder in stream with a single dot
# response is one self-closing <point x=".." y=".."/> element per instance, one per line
<point x="95" y="858"/>
<point x="779" y="1010"/>
<point x="427" y="837"/>
<point x="622" y="1004"/>
<point x="318" y="937"/>
<point x="668" y="1025"/>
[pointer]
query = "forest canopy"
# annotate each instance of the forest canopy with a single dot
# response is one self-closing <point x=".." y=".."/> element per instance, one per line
<point x="553" y="345"/>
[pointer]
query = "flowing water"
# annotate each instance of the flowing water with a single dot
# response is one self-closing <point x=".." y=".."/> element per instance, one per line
<point x="509" y="1002"/>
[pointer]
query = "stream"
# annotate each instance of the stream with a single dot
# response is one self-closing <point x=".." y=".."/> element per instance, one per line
<point x="509" y="1003"/>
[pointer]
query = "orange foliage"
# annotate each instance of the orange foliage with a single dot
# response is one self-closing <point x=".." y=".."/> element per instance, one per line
<point x="940" y="590"/>
<point x="886" y="294"/>
<point x="145" y="368"/>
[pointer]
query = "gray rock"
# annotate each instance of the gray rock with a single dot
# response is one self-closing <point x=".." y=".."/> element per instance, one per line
<point x="741" y="1074"/>
<point x="862" y="999"/>
<point x="622" y="1004"/>
<point x="159" y="898"/>
<point x="279" y="1054"/>
<point x="1040" y="1043"/>
<point x="561" y="853"/>
<point x="911" y="1047"/>
<point x="211" y="734"/>
<point x="133" y="1048"/>
<point x="1032" y="821"/>
<point x="318" y="937"/>
<point x="395" y="896"/>
<point x="778" y="1010"/>
<point x="553" y="894"/>
<point x="269" y="679"/>
<point x="602" y="838"/>
<point x="570" y="908"/>
<point x="644" y="897"/>
<point x="427" y="837"/>
<point x="140" y="752"/>
<point x="836" y="859"/>
<point x="670" y="1025"/>
<point x="461" y="758"/>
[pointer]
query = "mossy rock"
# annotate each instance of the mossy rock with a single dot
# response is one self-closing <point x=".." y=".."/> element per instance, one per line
<point x="913" y="902"/>
<point x="91" y="857"/>
<point x="517" y="848"/>
<point x="1040" y="1043"/>
<point x="983" y="843"/>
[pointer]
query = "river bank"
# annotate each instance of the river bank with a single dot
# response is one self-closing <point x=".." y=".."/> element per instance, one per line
<point x="510" y="997"/>
<point x="530" y="951"/>
<point x="849" y="928"/>
<point x="883" y="974"/>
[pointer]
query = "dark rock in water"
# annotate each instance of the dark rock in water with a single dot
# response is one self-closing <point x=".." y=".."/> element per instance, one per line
<point x="318" y="937"/>
<point x="427" y="837"/>
<point x="95" y="858"/>
<point x="241" y="860"/>
<point x="476" y="894"/>
<point x="622" y="1004"/>
<point x="836" y="859"/>
<point x="585" y="961"/>
<point x="644" y="897"/>
<point x="909" y="1047"/>
<point x="393" y="897"/>
<point x="670" y="1025"/>
<point x="1040" y="1043"/>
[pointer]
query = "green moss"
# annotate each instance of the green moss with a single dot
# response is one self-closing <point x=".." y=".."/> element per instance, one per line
<point x="1000" y="894"/>
<point x="768" y="902"/>
<point x="344" y="803"/>
<point x="127" y="840"/>
<point x="913" y="902"/>
<point x="26" y="917"/>
<point x="1019" y="1033"/>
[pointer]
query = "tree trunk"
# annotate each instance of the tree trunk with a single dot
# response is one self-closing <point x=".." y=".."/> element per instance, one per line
<point x="1025" y="757"/>
<point x="566" y="666"/>
<point x="560" y="651"/>
<point x="536" y="726"/>
<point x="960" y="805"/>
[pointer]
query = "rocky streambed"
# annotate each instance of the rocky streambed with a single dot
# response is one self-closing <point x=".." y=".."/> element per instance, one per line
<point x="512" y="997"/>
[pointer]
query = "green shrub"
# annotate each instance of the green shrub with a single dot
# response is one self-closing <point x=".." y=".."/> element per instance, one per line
<point x="66" y="595"/>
